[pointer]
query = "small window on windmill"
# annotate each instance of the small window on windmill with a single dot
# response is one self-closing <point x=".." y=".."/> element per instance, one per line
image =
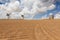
<point x="51" y="16"/>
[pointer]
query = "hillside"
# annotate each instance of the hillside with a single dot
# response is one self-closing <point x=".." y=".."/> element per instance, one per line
<point x="29" y="29"/>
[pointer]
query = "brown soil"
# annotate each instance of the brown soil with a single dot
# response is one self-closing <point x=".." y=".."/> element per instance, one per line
<point x="29" y="29"/>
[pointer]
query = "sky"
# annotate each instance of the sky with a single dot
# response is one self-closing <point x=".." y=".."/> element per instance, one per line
<point x="55" y="11"/>
<point x="40" y="9"/>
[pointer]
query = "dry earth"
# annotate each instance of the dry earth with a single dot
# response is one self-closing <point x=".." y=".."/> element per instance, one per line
<point x="29" y="29"/>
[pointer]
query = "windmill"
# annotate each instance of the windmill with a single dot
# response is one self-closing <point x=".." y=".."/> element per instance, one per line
<point x="51" y="16"/>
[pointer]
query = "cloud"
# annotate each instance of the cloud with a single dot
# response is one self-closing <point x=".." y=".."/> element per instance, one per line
<point x="57" y="16"/>
<point x="4" y="1"/>
<point x="13" y="7"/>
<point x="37" y="6"/>
<point x="29" y="7"/>
<point x="58" y="0"/>
<point x="3" y="15"/>
<point x="15" y="15"/>
<point x="10" y="8"/>
<point x="51" y="7"/>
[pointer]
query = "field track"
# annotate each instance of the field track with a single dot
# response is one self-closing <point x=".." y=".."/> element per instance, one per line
<point x="29" y="29"/>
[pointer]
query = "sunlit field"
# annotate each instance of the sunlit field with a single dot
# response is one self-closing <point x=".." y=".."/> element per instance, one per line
<point x="30" y="29"/>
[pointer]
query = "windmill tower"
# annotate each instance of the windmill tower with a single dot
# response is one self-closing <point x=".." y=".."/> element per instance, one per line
<point x="51" y="16"/>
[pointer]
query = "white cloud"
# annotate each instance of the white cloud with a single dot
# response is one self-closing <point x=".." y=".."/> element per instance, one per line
<point x="38" y="6"/>
<point x="4" y="1"/>
<point x="58" y="0"/>
<point x="3" y="15"/>
<point x="57" y="16"/>
<point x="51" y="7"/>
<point x="13" y="6"/>
<point x="15" y="15"/>
<point x="31" y="7"/>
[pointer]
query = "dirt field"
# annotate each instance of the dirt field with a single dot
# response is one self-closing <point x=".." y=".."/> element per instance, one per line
<point x="29" y="29"/>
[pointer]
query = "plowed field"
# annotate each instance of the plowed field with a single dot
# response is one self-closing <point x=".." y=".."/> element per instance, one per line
<point x="29" y="29"/>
